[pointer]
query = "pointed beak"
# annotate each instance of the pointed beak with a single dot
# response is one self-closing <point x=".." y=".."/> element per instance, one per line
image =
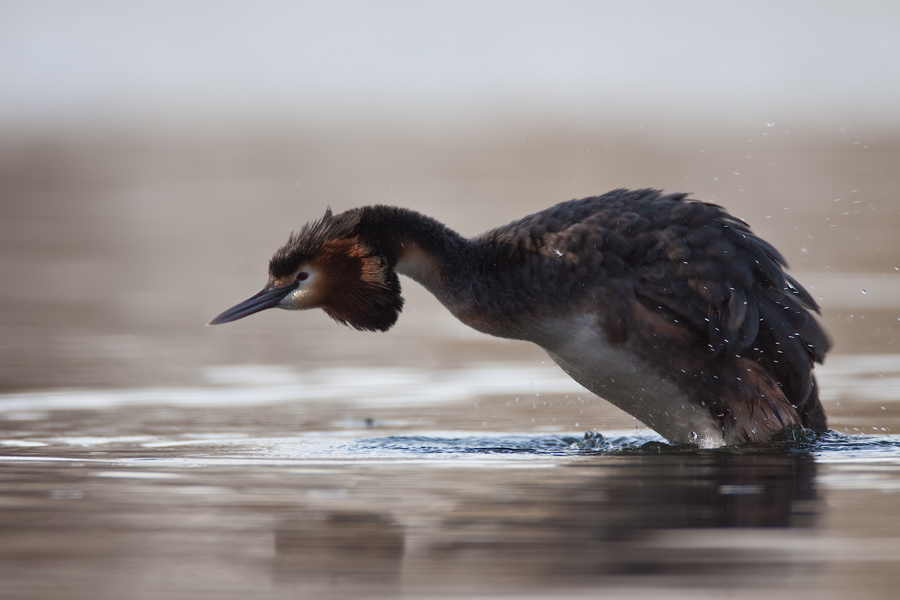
<point x="267" y="298"/>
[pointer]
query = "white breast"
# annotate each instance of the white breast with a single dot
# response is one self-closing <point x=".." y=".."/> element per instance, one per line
<point x="618" y="376"/>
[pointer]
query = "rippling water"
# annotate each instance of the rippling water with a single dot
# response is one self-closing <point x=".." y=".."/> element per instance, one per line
<point x="224" y="491"/>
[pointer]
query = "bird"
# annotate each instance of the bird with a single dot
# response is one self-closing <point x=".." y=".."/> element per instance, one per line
<point x="668" y="307"/>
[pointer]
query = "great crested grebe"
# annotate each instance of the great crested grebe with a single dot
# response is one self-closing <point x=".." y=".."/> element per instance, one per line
<point x="669" y="308"/>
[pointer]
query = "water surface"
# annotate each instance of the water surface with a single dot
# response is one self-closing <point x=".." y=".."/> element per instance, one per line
<point x="312" y="487"/>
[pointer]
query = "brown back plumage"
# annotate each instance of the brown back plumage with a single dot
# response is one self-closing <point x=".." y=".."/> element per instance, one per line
<point x="687" y="261"/>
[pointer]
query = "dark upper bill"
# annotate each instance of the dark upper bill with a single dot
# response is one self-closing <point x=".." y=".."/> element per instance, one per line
<point x="267" y="298"/>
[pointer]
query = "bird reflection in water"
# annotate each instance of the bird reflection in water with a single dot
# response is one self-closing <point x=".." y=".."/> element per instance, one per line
<point x="584" y="521"/>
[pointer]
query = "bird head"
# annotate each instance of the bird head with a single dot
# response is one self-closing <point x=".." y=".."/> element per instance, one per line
<point x="334" y="265"/>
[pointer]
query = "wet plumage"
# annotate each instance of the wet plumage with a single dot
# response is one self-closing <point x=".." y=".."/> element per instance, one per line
<point x="667" y="307"/>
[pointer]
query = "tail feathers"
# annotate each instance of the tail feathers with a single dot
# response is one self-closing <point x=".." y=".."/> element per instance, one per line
<point x="755" y="408"/>
<point x="812" y="415"/>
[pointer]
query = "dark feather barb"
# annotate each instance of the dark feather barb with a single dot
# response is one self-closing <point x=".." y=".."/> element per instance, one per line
<point x="308" y="242"/>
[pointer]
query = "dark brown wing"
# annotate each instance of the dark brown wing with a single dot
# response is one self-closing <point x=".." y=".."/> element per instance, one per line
<point x="687" y="261"/>
<point x="708" y="268"/>
<point x="690" y="259"/>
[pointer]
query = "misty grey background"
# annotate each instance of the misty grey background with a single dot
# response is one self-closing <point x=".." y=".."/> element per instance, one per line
<point x="835" y="62"/>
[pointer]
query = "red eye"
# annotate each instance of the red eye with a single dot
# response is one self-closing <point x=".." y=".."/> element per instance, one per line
<point x="301" y="276"/>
